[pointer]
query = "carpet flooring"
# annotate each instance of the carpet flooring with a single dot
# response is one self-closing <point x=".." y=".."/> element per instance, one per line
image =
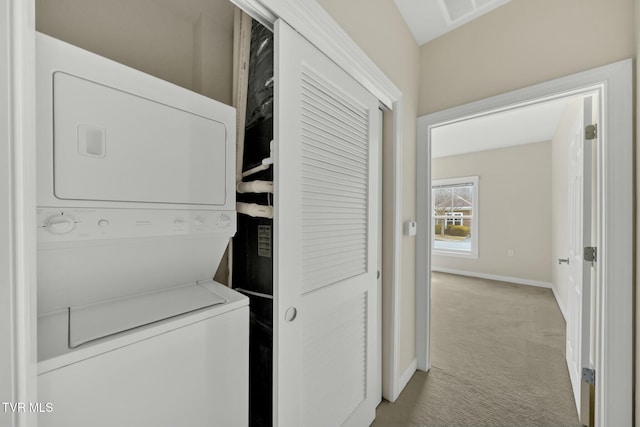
<point x="498" y="360"/>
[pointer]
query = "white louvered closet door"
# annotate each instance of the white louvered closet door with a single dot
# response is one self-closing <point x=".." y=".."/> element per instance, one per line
<point x="326" y="198"/>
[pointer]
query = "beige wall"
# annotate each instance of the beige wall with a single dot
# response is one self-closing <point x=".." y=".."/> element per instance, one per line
<point x="514" y="211"/>
<point x="192" y="50"/>
<point x="378" y="28"/>
<point x="522" y="43"/>
<point x="560" y="197"/>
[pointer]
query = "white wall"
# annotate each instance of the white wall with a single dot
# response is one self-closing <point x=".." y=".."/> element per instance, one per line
<point x="378" y="28"/>
<point x="560" y="198"/>
<point x="6" y="282"/>
<point x="514" y="211"/>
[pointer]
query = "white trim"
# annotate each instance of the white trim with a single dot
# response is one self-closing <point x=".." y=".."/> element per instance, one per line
<point x="561" y="306"/>
<point x="7" y="332"/>
<point x="407" y="375"/>
<point x="423" y="253"/>
<point x="257" y="10"/>
<point x="614" y="324"/>
<point x="391" y="391"/>
<point x="21" y="82"/>
<point x="314" y="23"/>
<point x="454" y="254"/>
<point x="509" y="279"/>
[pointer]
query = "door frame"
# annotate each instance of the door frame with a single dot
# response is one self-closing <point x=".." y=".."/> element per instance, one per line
<point x="312" y="22"/>
<point x="614" y="278"/>
<point x="17" y="125"/>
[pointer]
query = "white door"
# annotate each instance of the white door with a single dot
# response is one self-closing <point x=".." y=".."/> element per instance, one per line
<point x="579" y="297"/>
<point x="326" y="208"/>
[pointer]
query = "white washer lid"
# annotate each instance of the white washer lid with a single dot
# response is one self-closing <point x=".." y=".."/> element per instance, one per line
<point x="99" y="320"/>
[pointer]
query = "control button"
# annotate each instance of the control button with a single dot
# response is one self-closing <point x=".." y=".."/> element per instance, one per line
<point x="199" y="221"/>
<point x="60" y="224"/>
<point x="224" y="220"/>
<point x="103" y="223"/>
<point x="178" y="222"/>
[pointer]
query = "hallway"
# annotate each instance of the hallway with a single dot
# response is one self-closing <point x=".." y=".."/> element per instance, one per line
<point x="497" y="360"/>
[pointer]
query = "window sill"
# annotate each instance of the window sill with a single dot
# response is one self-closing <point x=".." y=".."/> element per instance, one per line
<point x="471" y="255"/>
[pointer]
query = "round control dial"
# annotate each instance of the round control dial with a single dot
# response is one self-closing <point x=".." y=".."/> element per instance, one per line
<point x="224" y="220"/>
<point x="60" y="224"/>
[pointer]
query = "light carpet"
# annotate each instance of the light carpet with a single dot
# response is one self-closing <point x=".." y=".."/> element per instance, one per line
<point x="497" y="360"/>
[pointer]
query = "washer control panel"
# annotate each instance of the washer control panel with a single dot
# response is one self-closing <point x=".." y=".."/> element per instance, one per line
<point x="60" y="225"/>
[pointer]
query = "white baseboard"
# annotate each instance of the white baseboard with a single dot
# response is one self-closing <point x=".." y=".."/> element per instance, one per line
<point x="406" y="377"/>
<point x="517" y="280"/>
<point x="563" y="310"/>
<point x="510" y="279"/>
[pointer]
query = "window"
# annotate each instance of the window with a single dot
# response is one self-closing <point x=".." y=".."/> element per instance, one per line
<point x="455" y="216"/>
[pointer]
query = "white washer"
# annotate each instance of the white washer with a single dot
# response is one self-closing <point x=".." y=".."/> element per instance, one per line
<point x="136" y="205"/>
<point x="187" y="371"/>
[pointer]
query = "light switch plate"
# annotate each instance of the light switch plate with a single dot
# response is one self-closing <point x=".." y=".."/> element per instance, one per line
<point x="410" y="228"/>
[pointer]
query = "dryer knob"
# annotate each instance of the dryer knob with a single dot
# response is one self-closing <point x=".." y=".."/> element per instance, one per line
<point x="60" y="224"/>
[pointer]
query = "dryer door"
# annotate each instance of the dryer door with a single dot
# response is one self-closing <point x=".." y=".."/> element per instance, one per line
<point x="111" y="145"/>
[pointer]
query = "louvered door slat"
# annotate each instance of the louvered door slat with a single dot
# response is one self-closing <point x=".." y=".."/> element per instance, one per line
<point x="323" y="152"/>
<point x="317" y="124"/>
<point x="351" y="152"/>
<point x="312" y="80"/>
<point x="346" y="127"/>
<point x="330" y="238"/>
<point x="355" y="151"/>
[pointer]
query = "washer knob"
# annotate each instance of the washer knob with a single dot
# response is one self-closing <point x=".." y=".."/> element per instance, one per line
<point x="224" y="220"/>
<point x="60" y="224"/>
<point x="199" y="221"/>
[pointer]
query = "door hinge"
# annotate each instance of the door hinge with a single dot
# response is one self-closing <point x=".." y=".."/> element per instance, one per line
<point x="590" y="253"/>
<point x="589" y="376"/>
<point x="591" y="132"/>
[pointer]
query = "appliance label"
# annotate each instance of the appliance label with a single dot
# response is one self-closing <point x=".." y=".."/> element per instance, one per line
<point x="264" y="241"/>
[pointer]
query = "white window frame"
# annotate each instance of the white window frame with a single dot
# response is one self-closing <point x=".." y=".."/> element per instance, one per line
<point x="473" y="253"/>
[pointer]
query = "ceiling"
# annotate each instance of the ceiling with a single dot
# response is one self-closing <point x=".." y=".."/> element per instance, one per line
<point x="524" y="125"/>
<point x="429" y="19"/>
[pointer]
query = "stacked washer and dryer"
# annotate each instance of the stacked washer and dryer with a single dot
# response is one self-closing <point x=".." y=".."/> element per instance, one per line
<point x="136" y="205"/>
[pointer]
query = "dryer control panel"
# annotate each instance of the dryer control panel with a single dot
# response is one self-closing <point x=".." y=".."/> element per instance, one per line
<point x="66" y="225"/>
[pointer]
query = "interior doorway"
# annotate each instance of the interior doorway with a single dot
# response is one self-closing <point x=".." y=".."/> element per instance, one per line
<point x="511" y="199"/>
<point x="613" y="181"/>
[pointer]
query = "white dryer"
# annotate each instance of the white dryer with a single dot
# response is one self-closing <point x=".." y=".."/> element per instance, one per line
<point x="136" y="205"/>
